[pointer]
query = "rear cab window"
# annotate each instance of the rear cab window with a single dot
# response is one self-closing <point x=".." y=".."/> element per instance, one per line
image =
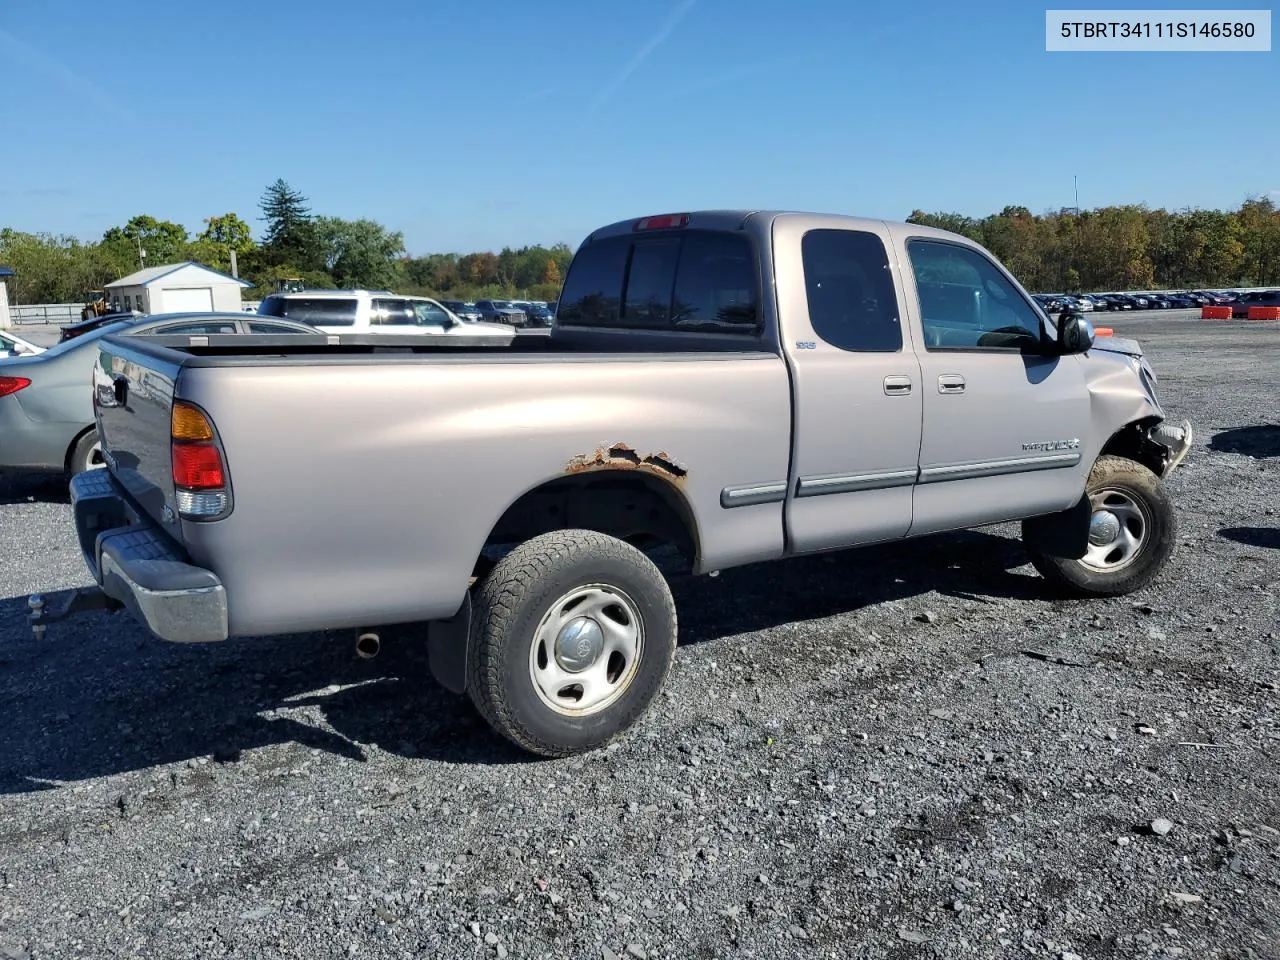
<point x="690" y="280"/>
<point x="319" y="311"/>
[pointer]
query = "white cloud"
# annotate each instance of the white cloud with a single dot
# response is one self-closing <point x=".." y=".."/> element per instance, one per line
<point x="70" y="80"/>
<point x="668" y="26"/>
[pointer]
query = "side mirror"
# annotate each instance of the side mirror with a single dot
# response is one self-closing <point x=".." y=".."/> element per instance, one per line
<point x="1075" y="332"/>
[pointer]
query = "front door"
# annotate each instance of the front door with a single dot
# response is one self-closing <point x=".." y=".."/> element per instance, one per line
<point x="1004" y="414"/>
<point x="856" y="385"/>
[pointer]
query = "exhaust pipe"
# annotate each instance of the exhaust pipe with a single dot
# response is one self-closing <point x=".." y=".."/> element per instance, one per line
<point x="368" y="645"/>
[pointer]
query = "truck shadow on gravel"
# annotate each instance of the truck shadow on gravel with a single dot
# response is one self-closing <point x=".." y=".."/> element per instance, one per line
<point x="38" y="487"/>
<point x="1268" y="538"/>
<point x="1260" y="441"/>
<point x="100" y="697"/>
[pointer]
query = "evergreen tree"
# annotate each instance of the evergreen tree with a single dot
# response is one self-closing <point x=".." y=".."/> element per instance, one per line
<point x="290" y="236"/>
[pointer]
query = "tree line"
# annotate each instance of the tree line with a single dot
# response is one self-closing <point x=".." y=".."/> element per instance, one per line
<point x="322" y="251"/>
<point x="1128" y="247"/>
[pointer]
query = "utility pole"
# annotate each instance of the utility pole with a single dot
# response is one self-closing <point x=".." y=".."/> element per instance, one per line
<point x="142" y="254"/>
<point x="1075" y="181"/>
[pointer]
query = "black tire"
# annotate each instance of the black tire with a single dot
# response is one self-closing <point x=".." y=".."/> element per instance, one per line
<point x="85" y="454"/>
<point x="1117" y="480"/>
<point x="506" y="650"/>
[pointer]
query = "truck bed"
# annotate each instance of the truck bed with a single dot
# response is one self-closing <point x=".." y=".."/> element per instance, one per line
<point x="365" y="479"/>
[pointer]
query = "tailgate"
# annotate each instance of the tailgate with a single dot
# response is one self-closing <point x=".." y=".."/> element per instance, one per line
<point x="133" y="387"/>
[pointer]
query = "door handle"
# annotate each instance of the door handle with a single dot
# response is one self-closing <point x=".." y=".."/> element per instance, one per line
<point x="897" y="386"/>
<point x="951" y="383"/>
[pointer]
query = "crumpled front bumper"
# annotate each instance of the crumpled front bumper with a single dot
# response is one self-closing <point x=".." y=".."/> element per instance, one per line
<point x="140" y="567"/>
<point x="1176" y="439"/>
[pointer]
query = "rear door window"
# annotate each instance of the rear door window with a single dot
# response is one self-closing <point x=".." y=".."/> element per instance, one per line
<point x="320" y="311"/>
<point x="386" y="312"/>
<point x="195" y="329"/>
<point x="265" y="326"/>
<point x="852" y="304"/>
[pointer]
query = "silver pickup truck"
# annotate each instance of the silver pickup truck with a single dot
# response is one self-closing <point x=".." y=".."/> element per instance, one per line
<point x="743" y="386"/>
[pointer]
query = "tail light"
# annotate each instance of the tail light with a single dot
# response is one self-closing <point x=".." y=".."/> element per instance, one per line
<point x="10" y="385"/>
<point x="199" y="475"/>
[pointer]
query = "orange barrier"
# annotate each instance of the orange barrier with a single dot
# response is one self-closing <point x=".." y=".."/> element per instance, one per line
<point x="1264" y="313"/>
<point x="1103" y="332"/>
<point x="1215" y="313"/>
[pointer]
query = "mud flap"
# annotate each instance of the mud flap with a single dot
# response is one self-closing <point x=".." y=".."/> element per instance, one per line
<point x="447" y="648"/>
<point x="1064" y="534"/>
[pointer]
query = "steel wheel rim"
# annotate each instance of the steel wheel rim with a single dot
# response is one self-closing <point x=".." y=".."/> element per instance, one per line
<point x="1133" y="527"/>
<point x="559" y="645"/>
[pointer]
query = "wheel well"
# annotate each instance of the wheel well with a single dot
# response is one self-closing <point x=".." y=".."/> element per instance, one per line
<point x="75" y="442"/>
<point x="1131" y="442"/>
<point x="642" y="509"/>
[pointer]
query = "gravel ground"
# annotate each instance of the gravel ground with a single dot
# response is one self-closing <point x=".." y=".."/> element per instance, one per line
<point x="910" y="751"/>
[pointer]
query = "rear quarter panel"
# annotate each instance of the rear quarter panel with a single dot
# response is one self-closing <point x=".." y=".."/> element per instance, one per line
<point x="365" y="491"/>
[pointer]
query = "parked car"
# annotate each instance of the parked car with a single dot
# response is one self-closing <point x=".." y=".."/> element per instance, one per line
<point x="1051" y="303"/>
<point x="538" y="314"/>
<point x="81" y="327"/>
<point x="464" y="309"/>
<point x="1218" y="298"/>
<point x="12" y="345"/>
<point x="46" y="400"/>
<point x="1257" y="298"/>
<point x="697" y="395"/>
<point x="373" y="311"/>
<point x="1180" y="301"/>
<point x="501" y="311"/>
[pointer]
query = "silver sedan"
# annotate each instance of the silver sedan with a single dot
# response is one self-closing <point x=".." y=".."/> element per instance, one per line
<point x="46" y="400"/>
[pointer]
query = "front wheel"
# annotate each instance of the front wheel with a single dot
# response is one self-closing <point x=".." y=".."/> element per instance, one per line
<point x="572" y="636"/>
<point x="1132" y="532"/>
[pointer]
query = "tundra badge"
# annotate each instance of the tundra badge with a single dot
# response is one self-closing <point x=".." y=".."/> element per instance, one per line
<point x="1072" y="444"/>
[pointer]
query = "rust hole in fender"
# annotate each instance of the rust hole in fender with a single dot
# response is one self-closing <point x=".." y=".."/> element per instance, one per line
<point x="623" y="456"/>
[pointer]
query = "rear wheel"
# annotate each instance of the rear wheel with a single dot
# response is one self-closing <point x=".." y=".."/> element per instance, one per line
<point x="1132" y="532"/>
<point x="86" y="454"/>
<point x="572" y="636"/>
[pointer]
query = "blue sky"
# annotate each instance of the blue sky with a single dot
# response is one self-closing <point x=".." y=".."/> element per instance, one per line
<point x="473" y="124"/>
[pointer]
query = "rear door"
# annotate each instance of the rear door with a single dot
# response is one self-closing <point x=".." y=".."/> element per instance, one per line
<point x="1004" y="414"/>
<point x="856" y="382"/>
<point x="393" y="315"/>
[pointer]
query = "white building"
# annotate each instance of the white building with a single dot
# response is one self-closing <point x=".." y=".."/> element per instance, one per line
<point x="5" y="274"/>
<point x="176" y="288"/>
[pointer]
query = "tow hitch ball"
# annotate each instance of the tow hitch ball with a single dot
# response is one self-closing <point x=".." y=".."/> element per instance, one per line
<point x="35" y="604"/>
<point x="40" y="614"/>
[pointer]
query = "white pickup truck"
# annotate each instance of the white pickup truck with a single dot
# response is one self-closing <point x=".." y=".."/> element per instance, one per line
<point x="375" y="311"/>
